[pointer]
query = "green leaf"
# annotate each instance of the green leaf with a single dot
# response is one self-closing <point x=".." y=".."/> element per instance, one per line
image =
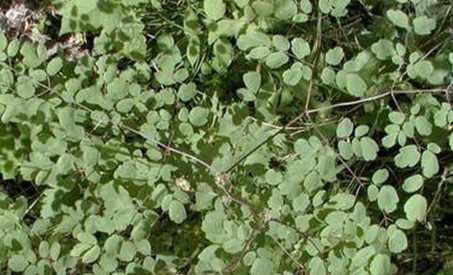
<point x="355" y="85"/>
<point x="413" y="183"/>
<point x="109" y="263"/>
<point x="187" y="91"/>
<point x="284" y="9"/>
<point x="328" y="76"/>
<point x="423" y="126"/>
<point x="91" y="255"/>
<point x="380" y="265"/>
<point x="372" y="192"/>
<point x="324" y="6"/>
<point x="262" y="8"/>
<point x="434" y="148"/>
<point x="306" y="6"/>
<point x="252" y="81"/>
<point x="380" y="176"/>
<point x="415" y="208"/>
<point x="193" y="50"/>
<point x="362" y="257"/>
<point x="424" y="25"/>
<point x="17" y="263"/>
<point x="280" y="42"/>
<point x="383" y="49"/>
<point x="301" y="202"/>
<point x="198" y="116"/>
<point x="55" y="249"/>
<point x="397" y="117"/>
<point x="334" y="56"/>
<point x="262" y="266"/>
<point x="54" y="66"/>
<point x="316" y="266"/>
<point x="326" y="167"/>
<point x="344" y="128"/>
<point x="423" y="68"/>
<point x="87" y="238"/>
<point x="214" y="9"/>
<point x="143" y="246"/>
<point x="388" y="199"/>
<point x="259" y="53"/>
<point x="404" y="224"/>
<point x="127" y="251"/>
<point x="361" y="130"/>
<point x="369" y="148"/>
<point x="13" y="48"/>
<point x="177" y="211"/>
<point x="25" y="89"/>
<point x="408" y="156"/>
<point x="273" y="177"/>
<point x="397" y="241"/>
<point x="430" y="164"/>
<point x="398" y="18"/>
<point x="3" y="41"/>
<point x="253" y="39"/>
<point x="345" y="149"/>
<point x="292" y="76"/>
<point x="31" y="58"/>
<point x="125" y="105"/>
<point x="276" y="60"/>
<point x="300" y="48"/>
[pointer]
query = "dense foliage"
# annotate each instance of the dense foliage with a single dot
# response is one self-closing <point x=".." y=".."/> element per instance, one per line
<point x="228" y="136"/>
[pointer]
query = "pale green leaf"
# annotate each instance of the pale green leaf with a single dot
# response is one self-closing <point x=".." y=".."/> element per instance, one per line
<point x="280" y="42"/>
<point x="187" y="91"/>
<point x="54" y="66"/>
<point x="408" y="156"/>
<point x="380" y="265"/>
<point x="362" y="257"/>
<point x="413" y="183"/>
<point x="214" y="9"/>
<point x="430" y="164"/>
<point x="355" y="85"/>
<point x="397" y="117"/>
<point x="316" y="266"/>
<point x="262" y="266"/>
<point x="276" y="60"/>
<point x="415" y="208"/>
<point x="17" y="263"/>
<point x="306" y="6"/>
<point x="284" y="9"/>
<point x="198" y="116"/>
<point x="383" y="49"/>
<point x="369" y="148"/>
<point x="361" y="130"/>
<point x="263" y="8"/>
<point x="259" y="52"/>
<point x="334" y="56"/>
<point x="397" y="241"/>
<point x="177" y="211"/>
<point x="292" y="76"/>
<point x="380" y="176"/>
<point x="388" y="199"/>
<point x="424" y="25"/>
<point x="300" y="47"/>
<point x="345" y="149"/>
<point x="398" y="18"/>
<point x="252" y="81"/>
<point x="423" y="126"/>
<point x="91" y="255"/>
<point x="344" y="128"/>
